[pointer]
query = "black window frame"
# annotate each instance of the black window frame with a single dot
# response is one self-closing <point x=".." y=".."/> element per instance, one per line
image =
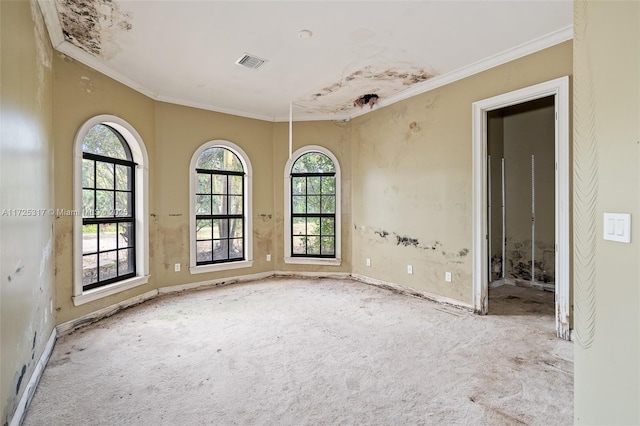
<point x="307" y="215"/>
<point x="115" y="219"/>
<point x="222" y="216"/>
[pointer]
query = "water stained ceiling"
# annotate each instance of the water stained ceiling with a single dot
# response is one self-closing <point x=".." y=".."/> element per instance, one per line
<point x="320" y="55"/>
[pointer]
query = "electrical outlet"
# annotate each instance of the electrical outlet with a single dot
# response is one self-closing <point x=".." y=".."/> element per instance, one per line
<point x="409" y="269"/>
<point x="447" y="277"/>
<point x="268" y="258"/>
<point x="176" y="267"/>
<point x="368" y="262"/>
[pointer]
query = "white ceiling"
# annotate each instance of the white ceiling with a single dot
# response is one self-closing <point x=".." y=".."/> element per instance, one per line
<point x="185" y="51"/>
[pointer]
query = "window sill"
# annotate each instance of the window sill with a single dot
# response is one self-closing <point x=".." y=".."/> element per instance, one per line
<point x="313" y="261"/>
<point x="108" y="290"/>
<point x="203" y="269"/>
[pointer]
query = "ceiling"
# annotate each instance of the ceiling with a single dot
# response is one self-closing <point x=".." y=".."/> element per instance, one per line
<point x="185" y="52"/>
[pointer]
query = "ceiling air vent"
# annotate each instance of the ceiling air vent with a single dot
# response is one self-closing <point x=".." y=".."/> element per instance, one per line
<point x="250" y="61"/>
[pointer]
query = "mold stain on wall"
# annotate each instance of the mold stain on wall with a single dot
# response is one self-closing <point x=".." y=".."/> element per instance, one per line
<point x="91" y="24"/>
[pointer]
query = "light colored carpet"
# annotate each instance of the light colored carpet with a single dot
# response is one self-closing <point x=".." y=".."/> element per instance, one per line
<point x="290" y="351"/>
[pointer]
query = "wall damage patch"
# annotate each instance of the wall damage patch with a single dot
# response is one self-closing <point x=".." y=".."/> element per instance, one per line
<point x="88" y="24"/>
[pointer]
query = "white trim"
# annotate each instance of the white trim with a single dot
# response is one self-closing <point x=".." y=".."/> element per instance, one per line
<point x="408" y="291"/>
<point x="29" y="391"/>
<point x="139" y="154"/>
<point x="74" y="324"/>
<point x="316" y="274"/>
<point x="219" y="282"/>
<point x="334" y="261"/>
<point x="312" y="260"/>
<point x="560" y="89"/>
<point x="248" y="209"/>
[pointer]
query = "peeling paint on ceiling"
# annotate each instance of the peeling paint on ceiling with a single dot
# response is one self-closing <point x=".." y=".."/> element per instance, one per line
<point x="87" y="24"/>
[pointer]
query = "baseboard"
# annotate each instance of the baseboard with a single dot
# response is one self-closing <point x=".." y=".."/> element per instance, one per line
<point x="412" y="292"/>
<point x="27" y="395"/>
<point x="69" y="326"/>
<point x="342" y="275"/>
<point x="202" y="285"/>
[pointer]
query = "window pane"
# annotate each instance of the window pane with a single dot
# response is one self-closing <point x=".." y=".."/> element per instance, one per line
<point x="89" y="269"/>
<point x="313" y="204"/>
<point x="203" y="251"/>
<point x="87" y="173"/>
<point x="221" y="250"/>
<point x="313" y="245"/>
<point x="89" y="238"/>
<point x="298" y="185"/>
<point x="299" y="245"/>
<point x="125" y="261"/>
<point x="328" y="204"/>
<point x="88" y="203"/>
<point x="235" y="204"/>
<point x="203" y="204"/>
<point x="108" y="265"/>
<point x="123" y="204"/>
<point x="236" y="251"/>
<point x="235" y="228"/>
<point x="123" y="177"/>
<point x="104" y="175"/>
<point x="328" y="246"/>
<point x="313" y="226"/>
<point x="104" y="204"/>
<point x="125" y="235"/>
<point x="219" y="184"/>
<point x="299" y="204"/>
<point x="219" y="204"/>
<point x="328" y="226"/>
<point x="313" y="162"/>
<point x="235" y="185"/>
<point x="203" y="229"/>
<point x="218" y="158"/>
<point x="313" y="185"/>
<point x="220" y="228"/>
<point x="108" y="237"/>
<point x="204" y="184"/>
<point x="328" y="185"/>
<point x="102" y="140"/>
<point x="299" y="226"/>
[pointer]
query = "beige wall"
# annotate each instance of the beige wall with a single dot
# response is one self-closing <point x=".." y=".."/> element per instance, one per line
<point x="495" y="150"/>
<point x="26" y="175"/>
<point x="334" y="136"/>
<point x="81" y="93"/>
<point x="606" y="168"/>
<point x="180" y="132"/>
<point x="412" y="177"/>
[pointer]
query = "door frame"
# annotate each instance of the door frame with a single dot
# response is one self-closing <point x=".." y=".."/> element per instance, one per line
<point x="559" y="88"/>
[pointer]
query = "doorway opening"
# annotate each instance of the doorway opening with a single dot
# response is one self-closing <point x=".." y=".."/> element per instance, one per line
<point x="521" y="194"/>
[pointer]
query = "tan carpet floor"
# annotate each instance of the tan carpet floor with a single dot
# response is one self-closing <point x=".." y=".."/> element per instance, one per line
<point x="288" y="351"/>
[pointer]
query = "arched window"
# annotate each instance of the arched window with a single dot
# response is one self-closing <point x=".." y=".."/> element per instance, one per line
<point x="220" y="208"/>
<point x="111" y="244"/>
<point x="312" y="229"/>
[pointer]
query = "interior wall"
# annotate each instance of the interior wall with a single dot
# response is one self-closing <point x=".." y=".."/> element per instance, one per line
<point x="495" y="150"/>
<point x="334" y="136"/>
<point x="81" y="93"/>
<point x="412" y="177"/>
<point x="26" y="176"/>
<point x="180" y="131"/>
<point x="529" y="129"/>
<point x="606" y="171"/>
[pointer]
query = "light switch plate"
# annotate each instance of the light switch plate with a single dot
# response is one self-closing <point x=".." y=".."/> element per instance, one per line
<point x="617" y="227"/>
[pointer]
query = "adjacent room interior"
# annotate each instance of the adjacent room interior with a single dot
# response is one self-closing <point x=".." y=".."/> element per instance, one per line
<point x="325" y="170"/>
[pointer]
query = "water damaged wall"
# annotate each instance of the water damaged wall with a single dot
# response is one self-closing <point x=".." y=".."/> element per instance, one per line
<point x="26" y="173"/>
<point x="412" y="178"/>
